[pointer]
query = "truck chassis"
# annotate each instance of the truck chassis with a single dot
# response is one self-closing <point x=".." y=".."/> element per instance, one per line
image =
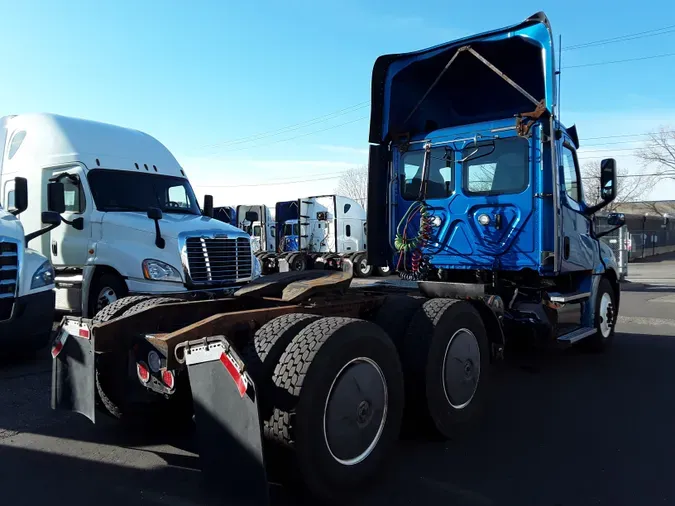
<point x="292" y="361"/>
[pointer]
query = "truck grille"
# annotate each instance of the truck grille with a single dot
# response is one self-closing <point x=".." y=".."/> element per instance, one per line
<point x="9" y="271"/>
<point x="218" y="260"/>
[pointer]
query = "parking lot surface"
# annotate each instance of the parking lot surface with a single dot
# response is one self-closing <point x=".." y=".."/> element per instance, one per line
<point x="563" y="429"/>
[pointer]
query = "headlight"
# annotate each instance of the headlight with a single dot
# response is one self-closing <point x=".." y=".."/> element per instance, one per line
<point x="44" y="276"/>
<point x="257" y="268"/>
<point x="160" y="271"/>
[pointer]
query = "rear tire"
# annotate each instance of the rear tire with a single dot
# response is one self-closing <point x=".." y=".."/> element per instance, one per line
<point x="261" y="355"/>
<point x="446" y="362"/>
<point x="111" y="368"/>
<point x="117" y="308"/>
<point x="298" y="262"/>
<point x="395" y="314"/>
<point x="339" y="403"/>
<point x="383" y="271"/>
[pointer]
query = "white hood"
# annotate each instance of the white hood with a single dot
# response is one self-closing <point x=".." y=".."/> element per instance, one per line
<point x="10" y="226"/>
<point x="171" y="224"/>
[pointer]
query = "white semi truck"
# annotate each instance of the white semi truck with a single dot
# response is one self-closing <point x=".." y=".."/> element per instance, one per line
<point x="26" y="277"/>
<point x="132" y="223"/>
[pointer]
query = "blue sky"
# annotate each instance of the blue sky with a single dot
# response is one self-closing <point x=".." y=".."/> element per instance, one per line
<point x="201" y="75"/>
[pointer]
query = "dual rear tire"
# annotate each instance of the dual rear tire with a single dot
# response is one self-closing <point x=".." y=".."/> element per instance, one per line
<point x="333" y="390"/>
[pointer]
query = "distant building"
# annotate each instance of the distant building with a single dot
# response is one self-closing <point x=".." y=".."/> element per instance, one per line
<point x="651" y="207"/>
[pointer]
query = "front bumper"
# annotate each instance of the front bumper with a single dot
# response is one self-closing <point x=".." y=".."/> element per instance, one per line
<point x="158" y="288"/>
<point x="32" y="319"/>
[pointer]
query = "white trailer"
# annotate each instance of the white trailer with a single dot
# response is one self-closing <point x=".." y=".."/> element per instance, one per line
<point x="133" y="225"/>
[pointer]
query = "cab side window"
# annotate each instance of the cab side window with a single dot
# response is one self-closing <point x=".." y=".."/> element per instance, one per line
<point x="73" y="194"/>
<point x="571" y="177"/>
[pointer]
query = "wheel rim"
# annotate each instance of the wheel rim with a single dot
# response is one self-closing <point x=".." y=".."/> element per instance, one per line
<point x="461" y="368"/>
<point x="106" y="296"/>
<point x="364" y="267"/>
<point x="355" y="412"/>
<point x="606" y="315"/>
<point x="385" y="270"/>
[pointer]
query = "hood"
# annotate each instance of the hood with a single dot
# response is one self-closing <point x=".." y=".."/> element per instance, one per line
<point x="171" y="225"/>
<point x="441" y="87"/>
<point x="10" y="226"/>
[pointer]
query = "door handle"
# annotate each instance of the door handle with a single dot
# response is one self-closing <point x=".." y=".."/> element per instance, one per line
<point x="55" y="248"/>
<point x="566" y="247"/>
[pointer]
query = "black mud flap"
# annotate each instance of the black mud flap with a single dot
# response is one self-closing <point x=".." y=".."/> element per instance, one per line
<point x="73" y="376"/>
<point x="228" y="422"/>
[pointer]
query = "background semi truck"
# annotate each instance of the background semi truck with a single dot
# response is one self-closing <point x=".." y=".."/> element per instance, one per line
<point x="132" y="224"/>
<point x="474" y="192"/>
<point x="312" y="231"/>
<point x="26" y="276"/>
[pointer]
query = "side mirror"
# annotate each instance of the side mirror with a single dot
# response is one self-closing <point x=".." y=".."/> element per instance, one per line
<point x="251" y="216"/>
<point x="55" y="198"/>
<point x="51" y="218"/>
<point x="20" y="196"/>
<point x="208" y="206"/>
<point x="616" y="219"/>
<point x="155" y="213"/>
<point x="608" y="180"/>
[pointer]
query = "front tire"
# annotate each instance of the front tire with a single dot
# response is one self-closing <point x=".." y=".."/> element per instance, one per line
<point x="107" y="289"/>
<point x="361" y="267"/>
<point x="605" y="319"/>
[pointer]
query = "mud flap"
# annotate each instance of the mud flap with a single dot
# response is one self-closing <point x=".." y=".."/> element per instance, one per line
<point x="228" y="422"/>
<point x="73" y="376"/>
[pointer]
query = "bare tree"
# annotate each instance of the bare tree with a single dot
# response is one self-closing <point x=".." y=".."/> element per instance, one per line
<point x="631" y="187"/>
<point x="354" y="184"/>
<point x="659" y="152"/>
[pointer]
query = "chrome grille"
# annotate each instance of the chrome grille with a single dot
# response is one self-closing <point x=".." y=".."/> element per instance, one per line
<point x="218" y="260"/>
<point x="9" y="273"/>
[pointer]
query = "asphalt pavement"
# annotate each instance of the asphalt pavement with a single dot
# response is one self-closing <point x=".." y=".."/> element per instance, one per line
<point x="563" y="429"/>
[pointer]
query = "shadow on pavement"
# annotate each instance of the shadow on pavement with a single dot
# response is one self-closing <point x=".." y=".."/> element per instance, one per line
<point x="563" y="428"/>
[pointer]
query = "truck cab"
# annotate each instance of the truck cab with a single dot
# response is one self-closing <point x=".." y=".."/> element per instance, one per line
<point x="131" y="225"/>
<point x="289" y="235"/>
<point x="474" y="183"/>
<point x="256" y="221"/>
<point x="26" y="279"/>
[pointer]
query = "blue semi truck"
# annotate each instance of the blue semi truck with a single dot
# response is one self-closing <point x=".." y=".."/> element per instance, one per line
<point x="475" y="194"/>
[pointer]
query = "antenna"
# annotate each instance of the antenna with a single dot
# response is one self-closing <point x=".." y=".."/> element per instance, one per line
<point x="559" y="72"/>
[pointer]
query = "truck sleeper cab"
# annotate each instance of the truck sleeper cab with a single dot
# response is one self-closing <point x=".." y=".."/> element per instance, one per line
<point x="132" y="224"/>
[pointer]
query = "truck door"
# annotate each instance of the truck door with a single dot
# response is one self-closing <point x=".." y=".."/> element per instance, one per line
<point x="579" y="249"/>
<point x="68" y="245"/>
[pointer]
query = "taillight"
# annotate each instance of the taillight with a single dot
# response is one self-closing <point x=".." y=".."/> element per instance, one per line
<point x="143" y="372"/>
<point x="168" y="379"/>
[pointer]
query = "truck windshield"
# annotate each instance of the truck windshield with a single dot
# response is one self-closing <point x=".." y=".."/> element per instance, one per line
<point x="118" y="190"/>
<point x="496" y="167"/>
<point x="439" y="183"/>
<point x="291" y="229"/>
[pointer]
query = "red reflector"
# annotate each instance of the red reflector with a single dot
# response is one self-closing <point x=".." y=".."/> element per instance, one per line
<point x="56" y="349"/>
<point x="234" y="372"/>
<point x="84" y="333"/>
<point x="143" y="372"/>
<point x="168" y="379"/>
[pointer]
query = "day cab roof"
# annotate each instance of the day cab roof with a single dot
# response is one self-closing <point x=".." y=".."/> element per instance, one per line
<point x="52" y="140"/>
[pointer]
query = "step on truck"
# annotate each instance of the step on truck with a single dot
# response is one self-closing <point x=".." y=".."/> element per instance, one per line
<point x="26" y="277"/>
<point x="475" y="194"/>
<point x="132" y="224"/>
